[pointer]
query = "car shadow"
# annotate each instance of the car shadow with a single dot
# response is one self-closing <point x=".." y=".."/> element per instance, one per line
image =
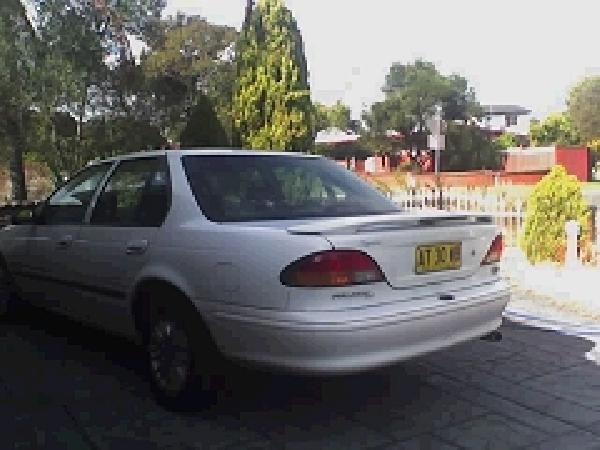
<point x="242" y="388"/>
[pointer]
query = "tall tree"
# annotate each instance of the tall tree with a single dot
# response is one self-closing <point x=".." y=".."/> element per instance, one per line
<point x="86" y="69"/>
<point x="419" y="87"/>
<point x="193" y="61"/>
<point x="556" y="129"/>
<point x="468" y="148"/>
<point x="204" y="128"/>
<point x="332" y="116"/>
<point x="584" y="108"/>
<point x="411" y="93"/>
<point x="271" y="104"/>
<point x="17" y="78"/>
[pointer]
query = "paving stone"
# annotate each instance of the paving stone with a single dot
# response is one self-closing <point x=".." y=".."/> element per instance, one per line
<point x="531" y="415"/>
<point x="49" y="429"/>
<point x="594" y="428"/>
<point x="468" y="353"/>
<point x="140" y="421"/>
<point x="536" y="419"/>
<point x="518" y="368"/>
<point x="429" y="412"/>
<point x="423" y="442"/>
<point x="549" y="341"/>
<point x="85" y="389"/>
<point x="579" y="440"/>
<point x="492" y="432"/>
<point x="544" y="402"/>
<point x="561" y="357"/>
<point x="341" y="433"/>
<point x="580" y="384"/>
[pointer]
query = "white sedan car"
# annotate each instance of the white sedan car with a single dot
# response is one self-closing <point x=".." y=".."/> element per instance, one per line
<point x="279" y="259"/>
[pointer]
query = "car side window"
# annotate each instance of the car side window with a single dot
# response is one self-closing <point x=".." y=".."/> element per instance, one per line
<point x="136" y="195"/>
<point x="69" y="204"/>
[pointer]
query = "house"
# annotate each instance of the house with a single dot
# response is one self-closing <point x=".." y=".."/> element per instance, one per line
<point x="499" y="119"/>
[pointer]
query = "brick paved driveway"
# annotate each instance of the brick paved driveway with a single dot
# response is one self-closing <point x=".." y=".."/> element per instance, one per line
<point x="67" y="386"/>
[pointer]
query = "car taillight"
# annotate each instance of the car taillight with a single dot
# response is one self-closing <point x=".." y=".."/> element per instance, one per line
<point x="494" y="254"/>
<point x="332" y="268"/>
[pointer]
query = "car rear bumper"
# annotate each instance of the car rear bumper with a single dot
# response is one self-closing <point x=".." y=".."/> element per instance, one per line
<point x="358" y="343"/>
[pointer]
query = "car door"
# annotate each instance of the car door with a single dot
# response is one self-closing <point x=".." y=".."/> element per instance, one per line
<point x="117" y="236"/>
<point x="45" y="273"/>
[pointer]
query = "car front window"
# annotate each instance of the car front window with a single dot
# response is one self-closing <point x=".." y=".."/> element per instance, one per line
<point x="69" y="204"/>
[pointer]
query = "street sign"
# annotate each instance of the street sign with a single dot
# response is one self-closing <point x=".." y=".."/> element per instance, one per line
<point x="436" y="142"/>
<point x="434" y="125"/>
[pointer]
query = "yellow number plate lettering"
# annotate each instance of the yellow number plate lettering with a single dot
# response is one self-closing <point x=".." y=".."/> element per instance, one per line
<point x="438" y="257"/>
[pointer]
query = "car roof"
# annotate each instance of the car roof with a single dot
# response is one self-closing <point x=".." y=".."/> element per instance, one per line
<point x="201" y="152"/>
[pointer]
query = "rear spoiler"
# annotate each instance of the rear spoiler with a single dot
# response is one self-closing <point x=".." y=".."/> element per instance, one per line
<point x="365" y="224"/>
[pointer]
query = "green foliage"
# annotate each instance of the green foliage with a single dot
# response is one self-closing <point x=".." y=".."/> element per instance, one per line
<point x="18" y="78"/>
<point x="191" y="61"/>
<point x="420" y="87"/>
<point x="468" y="148"/>
<point x="390" y="114"/>
<point x="342" y="151"/>
<point x="195" y="52"/>
<point x="111" y="21"/>
<point x="412" y="92"/>
<point x="334" y="116"/>
<point x="377" y="143"/>
<point x="556" y="129"/>
<point x="584" y="108"/>
<point x="104" y="138"/>
<point x="272" y="108"/>
<point x="506" y="140"/>
<point x="594" y="151"/>
<point x="556" y="199"/>
<point x="204" y="128"/>
<point x="382" y="187"/>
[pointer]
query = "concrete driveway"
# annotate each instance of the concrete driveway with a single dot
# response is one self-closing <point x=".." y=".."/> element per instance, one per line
<point x="67" y="386"/>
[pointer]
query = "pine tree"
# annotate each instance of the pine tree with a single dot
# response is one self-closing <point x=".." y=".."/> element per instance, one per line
<point x="204" y="128"/>
<point x="271" y="102"/>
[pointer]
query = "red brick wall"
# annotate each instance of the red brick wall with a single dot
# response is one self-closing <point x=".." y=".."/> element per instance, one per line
<point x="529" y="161"/>
<point x="576" y="160"/>
<point x="475" y="178"/>
<point x="359" y="165"/>
<point x="479" y="178"/>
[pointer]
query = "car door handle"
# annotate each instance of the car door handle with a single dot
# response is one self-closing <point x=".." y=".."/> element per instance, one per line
<point x="64" y="242"/>
<point x="136" y="247"/>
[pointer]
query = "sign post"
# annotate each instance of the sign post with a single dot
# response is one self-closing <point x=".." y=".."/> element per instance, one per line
<point x="436" y="141"/>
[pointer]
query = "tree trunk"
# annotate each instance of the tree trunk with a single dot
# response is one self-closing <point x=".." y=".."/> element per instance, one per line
<point x="17" y="168"/>
<point x="82" y="111"/>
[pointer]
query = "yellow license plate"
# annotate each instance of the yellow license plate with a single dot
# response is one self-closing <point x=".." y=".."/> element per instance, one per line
<point x="438" y="257"/>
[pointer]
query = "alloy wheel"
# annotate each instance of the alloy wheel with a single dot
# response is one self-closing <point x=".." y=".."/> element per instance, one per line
<point x="170" y="357"/>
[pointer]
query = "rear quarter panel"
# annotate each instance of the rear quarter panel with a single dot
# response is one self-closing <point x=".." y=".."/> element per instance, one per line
<point x="228" y="264"/>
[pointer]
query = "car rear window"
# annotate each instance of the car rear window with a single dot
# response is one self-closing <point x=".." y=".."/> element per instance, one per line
<point x="250" y="188"/>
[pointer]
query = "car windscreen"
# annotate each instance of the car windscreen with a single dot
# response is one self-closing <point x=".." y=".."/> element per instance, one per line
<point x="236" y="188"/>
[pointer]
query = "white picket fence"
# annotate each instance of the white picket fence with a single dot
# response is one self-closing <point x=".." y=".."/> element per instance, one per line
<point x="508" y="210"/>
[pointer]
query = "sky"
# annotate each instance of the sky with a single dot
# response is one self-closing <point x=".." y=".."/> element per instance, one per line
<point x="524" y="52"/>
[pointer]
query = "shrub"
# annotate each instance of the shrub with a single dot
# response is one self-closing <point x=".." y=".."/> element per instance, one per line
<point x="556" y="199"/>
<point x="400" y="178"/>
<point x="382" y="187"/>
<point x="204" y="128"/>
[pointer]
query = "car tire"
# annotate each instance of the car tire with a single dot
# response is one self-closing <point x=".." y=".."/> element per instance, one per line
<point x="182" y="359"/>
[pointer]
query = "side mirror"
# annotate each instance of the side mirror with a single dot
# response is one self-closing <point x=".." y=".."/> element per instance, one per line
<point x="23" y="217"/>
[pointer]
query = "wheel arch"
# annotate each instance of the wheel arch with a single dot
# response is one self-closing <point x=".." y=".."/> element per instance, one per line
<point x="144" y="295"/>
